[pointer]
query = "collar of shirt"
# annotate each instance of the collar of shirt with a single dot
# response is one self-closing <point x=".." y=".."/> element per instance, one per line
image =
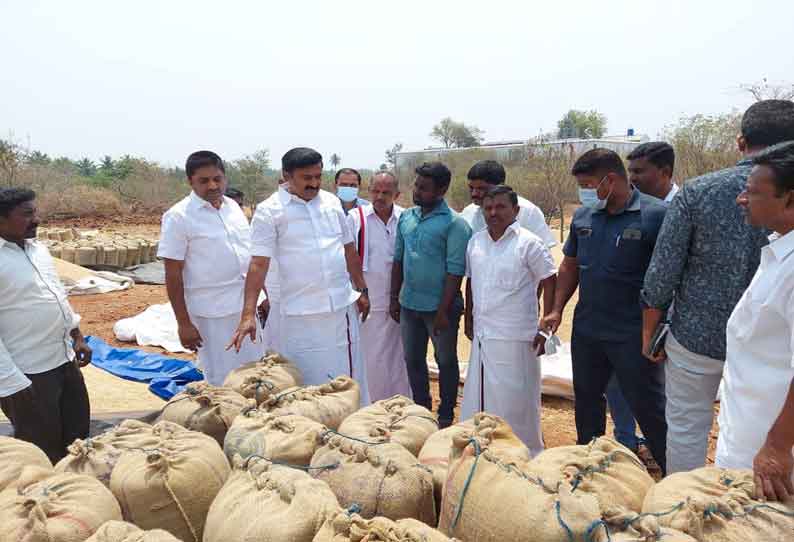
<point x="3" y="242"/>
<point x="781" y="246"/>
<point x="200" y="202"/>
<point x="633" y="204"/>
<point x="671" y="194"/>
<point x="286" y="197"/>
<point x="511" y="230"/>
<point x="441" y="209"/>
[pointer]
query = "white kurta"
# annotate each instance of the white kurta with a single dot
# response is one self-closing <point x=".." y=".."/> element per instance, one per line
<point x="381" y="341"/>
<point x="504" y="373"/>
<point x="325" y="346"/>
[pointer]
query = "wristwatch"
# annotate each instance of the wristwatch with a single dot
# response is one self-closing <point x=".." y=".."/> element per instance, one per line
<point x="363" y="291"/>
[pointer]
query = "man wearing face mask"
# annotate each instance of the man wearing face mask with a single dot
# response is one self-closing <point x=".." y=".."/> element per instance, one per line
<point x="347" y="183"/>
<point x="608" y="250"/>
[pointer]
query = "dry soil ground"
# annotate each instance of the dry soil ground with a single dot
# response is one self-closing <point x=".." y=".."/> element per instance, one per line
<point x="111" y="394"/>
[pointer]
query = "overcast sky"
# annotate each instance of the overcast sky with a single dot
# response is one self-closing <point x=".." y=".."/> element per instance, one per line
<point x="160" y="79"/>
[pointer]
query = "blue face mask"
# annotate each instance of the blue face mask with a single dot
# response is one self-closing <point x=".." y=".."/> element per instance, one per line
<point x="589" y="197"/>
<point x="347" y="194"/>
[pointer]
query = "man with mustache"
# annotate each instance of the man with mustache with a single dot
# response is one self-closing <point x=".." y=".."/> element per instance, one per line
<point x="306" y="231"/>
<point x="41" y="348"/>
<point x="205" y="242"/>
<point x="374" y="229"/>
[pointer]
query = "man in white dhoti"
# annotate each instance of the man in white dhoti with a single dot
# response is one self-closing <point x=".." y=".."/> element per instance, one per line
<point x="306" y="231"/>
<point x="374" y="228"/>
<point x="505" y="264"/>
<point x="205" y="242"/>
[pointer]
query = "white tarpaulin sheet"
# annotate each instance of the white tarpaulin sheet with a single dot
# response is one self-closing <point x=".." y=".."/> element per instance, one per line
<point x="156" y="326"/>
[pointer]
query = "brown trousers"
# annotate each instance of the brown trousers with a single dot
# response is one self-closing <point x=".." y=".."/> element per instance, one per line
<point x="59" y="413"/>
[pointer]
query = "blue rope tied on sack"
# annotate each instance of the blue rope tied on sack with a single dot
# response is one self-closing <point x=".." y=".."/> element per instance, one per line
<point x="305" y="468"/>
<point x="367" y="442"/>
<point x="589" y="535"/>
<point x="459" y="510"/>
<point x="354" y="508"/>
<point x="568" y="531"/>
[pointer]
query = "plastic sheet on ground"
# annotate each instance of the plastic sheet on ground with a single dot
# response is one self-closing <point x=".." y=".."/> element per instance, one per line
<point x="556" y="373"/>
<point x="79" y="280"/>
<point x="155" y="326"/>
<point x="166" y="376"/>
<point x="147" y="273"/>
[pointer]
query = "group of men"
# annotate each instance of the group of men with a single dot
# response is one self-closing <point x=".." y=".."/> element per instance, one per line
<point x="345" y="286"/>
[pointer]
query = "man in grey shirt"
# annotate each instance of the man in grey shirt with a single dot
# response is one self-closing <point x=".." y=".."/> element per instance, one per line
<point x="705" y="257"/>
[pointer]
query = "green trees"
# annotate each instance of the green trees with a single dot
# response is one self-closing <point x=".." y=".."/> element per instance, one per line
<point x="391" y="155"/>
<point x="703" y="143"/>
<point x="335" y="160"/>
<point x="252" y="175"/>
<point x="582" y="124"/>
<point x="451" y="134"/>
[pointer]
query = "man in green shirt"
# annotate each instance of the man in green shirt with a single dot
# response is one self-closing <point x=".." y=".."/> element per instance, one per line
<point x="429" y="263"/>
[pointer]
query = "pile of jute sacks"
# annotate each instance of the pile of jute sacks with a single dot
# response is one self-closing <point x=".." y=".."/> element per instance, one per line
<point x="98" y="248"/>
<point x="265" y="459"/>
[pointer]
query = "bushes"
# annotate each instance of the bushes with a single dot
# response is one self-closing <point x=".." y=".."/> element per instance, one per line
<point x="79" y="200"/>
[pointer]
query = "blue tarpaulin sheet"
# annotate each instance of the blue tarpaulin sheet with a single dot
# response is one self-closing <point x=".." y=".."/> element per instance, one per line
<point x="166" y="376"/>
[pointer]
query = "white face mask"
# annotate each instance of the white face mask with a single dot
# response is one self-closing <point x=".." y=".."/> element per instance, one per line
<point x="347" y="194"/>
<point x="589" y="197"/>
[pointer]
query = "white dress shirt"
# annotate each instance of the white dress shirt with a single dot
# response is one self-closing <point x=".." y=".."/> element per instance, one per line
<point x="35" y="317"/>
<point x="505" y="276"/>
<point x="759" y="364"/>
<point x="307" y="239"/>
<point x="530" y="217"/>
<point x="378" y="257"/>
<point x="214" y="244"/>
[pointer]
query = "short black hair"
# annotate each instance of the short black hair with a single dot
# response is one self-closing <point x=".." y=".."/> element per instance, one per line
<point x="437" y="171"/>
<point x="490" y="171"/>
<point x="768" y="122"/>
<point x="300" y="157"/>
<point x="234" y="193"/>
<point x="346" y="171"/>
<point x="599" y="162"/>
<point x="500" y="189"/>
<point x="200" y="159"/>
<point x="658" y="153"/>
<point x="780" y="159"/>
<point x="11" y="198"/>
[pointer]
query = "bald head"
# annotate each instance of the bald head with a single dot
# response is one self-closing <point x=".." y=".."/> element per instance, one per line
<point x="383" y="190"/>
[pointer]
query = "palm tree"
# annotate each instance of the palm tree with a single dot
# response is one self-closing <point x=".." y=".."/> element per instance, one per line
<point x="335" y="160"/>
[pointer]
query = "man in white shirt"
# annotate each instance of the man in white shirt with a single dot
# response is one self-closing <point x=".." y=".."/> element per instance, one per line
<point x="307" y="231"/>
<point x="374" y="228"/>
<point x="757" y="409"/>
<point x="269" y="311"/>
<point x="651" y="170"/>
<point x="42" y="390"/>
<point x="205" y="242"/>
<point x="489" y="173"/>
<point x="505" y="264"/>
